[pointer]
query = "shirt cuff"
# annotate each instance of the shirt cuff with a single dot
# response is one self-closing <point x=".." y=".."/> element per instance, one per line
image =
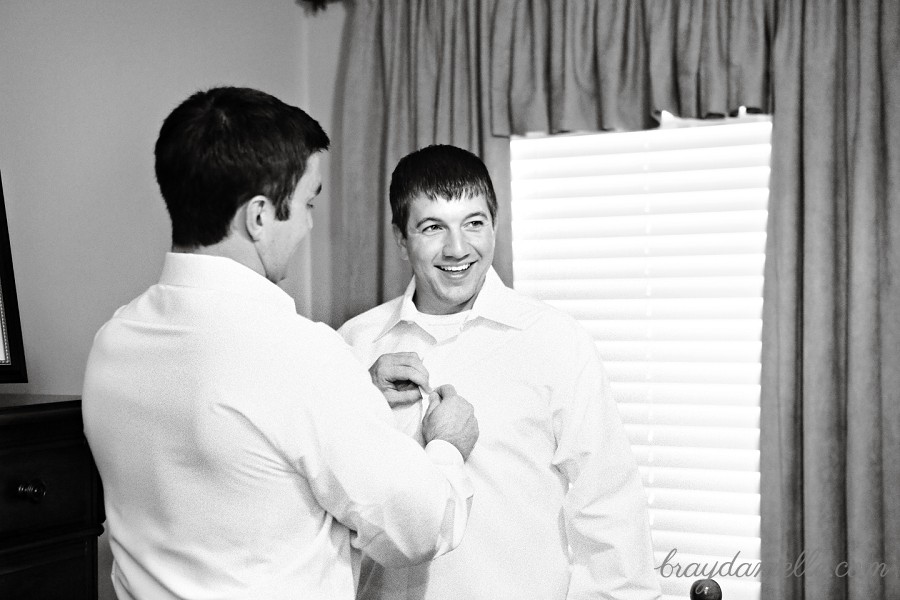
<point x="443" y="452"/>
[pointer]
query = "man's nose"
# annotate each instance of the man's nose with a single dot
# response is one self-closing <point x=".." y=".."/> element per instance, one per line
<point x="455" y="245"/>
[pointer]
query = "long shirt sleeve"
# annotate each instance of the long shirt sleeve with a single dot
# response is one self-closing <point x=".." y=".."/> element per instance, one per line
<point x="605" y="511"/>
<point x="375" y="480"/>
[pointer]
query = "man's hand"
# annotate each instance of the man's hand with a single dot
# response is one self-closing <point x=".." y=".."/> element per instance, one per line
<point x="451" y="418"/>
<point x="398" y="376"/>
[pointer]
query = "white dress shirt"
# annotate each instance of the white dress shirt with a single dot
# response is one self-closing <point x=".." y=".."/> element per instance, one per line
<point x="559" y="508"/>
<point x="239" y="444"/>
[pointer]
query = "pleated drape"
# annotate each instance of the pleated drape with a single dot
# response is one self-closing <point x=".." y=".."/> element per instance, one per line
<point x="831" y="339"/>
<point x="589" y="65"/>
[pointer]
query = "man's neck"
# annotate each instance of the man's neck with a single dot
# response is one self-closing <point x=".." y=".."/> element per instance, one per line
<point x="231" y="247"/>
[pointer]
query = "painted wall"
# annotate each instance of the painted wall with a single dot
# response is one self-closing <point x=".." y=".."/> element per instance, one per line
<point x="84" y="87"/>
<point x="321" y="57"/>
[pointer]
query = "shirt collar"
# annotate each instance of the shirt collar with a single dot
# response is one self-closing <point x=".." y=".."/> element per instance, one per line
<point x="221" y="274"/>
<point x="495" y="302"/>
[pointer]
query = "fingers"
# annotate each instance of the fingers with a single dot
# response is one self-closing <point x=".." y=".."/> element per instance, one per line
<point x="402" y="397"/>
<point x="433" y="400"/>
<point x="405" y="374"/>
<point x="445" y="391"/>
<point x="406" y="357"/>
<point x="399" y="371"/>
<point x="452" y="419"/>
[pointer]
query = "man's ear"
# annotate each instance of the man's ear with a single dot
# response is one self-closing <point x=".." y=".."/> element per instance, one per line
<point x="401" y="242"/>
<point x="256" y="216"/>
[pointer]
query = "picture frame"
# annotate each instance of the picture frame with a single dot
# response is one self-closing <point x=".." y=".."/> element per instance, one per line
<point x="12" y="349"/>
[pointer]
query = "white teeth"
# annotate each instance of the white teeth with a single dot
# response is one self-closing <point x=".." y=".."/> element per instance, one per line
<point x="456" y="269"/>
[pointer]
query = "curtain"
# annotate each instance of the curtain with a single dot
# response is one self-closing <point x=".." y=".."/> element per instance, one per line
<point x="598" y="65"/>
<point x="831" y="337"/>
<point x="473" y="72"/>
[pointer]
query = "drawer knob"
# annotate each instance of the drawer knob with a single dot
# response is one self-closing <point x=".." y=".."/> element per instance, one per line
<point x="34" y="490"/>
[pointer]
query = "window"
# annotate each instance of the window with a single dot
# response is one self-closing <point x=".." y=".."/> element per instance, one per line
<point x="655" y="242"/>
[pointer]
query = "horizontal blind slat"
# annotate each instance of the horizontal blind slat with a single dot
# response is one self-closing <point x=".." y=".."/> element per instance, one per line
<point x="746" y="286"/>
<point x="699" y="480"/>
<point x="657" y="416"/>
<point x="724" y="459"/>
<point x="662" y="308"/>
<point x="711" y="437"/>
<point x="747" y="329"/>
<point x="707" y="544"/>
<point x="735" y="242"/>
<point x="664" y="203"/>
<point x="681" y="372"/>
<point x="713" y="523"/>
<point x="639" y="141"/>
<point x="713" y="502"/>
<point x="650" y="161"/>
<point x="697" y="395"/>
<point x="644" y="183"/>
<point x="683" y="224"/>
<point x="680" y="351"/>
<point x="647" y="267"/>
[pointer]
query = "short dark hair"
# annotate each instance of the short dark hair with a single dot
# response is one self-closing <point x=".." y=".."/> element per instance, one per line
<point x="223" y="146"/>
<point x="439" y="171"/>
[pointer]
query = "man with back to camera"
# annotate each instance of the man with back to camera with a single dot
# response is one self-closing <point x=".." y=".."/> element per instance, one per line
<point x="560" y="510"/>
<point x="242" y="448"/>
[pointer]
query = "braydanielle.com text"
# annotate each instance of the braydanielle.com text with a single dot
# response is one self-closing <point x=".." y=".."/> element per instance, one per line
<point x="805" y="564"/>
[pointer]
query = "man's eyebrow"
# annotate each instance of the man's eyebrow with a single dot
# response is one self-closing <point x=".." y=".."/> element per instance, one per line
<point x="477" y="213"/>
<point x="426" y="219"/>
<point x="318" y="190"/>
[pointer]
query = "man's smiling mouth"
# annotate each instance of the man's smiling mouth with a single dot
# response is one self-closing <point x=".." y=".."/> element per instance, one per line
<point x="455" y="268"/>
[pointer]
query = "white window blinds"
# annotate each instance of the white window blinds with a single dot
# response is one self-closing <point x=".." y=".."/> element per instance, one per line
<point x="655" y="241"/>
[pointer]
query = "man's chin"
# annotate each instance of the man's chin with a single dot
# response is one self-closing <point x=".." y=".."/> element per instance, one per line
<point x="456" y="302"/>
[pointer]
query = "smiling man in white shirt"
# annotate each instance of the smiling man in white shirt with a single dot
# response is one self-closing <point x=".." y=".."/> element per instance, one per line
<point x="243" y="449"/>
<point x="560" y="511"/>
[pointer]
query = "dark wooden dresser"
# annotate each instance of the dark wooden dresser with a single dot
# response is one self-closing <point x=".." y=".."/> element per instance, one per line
<point x="51" y="501"/>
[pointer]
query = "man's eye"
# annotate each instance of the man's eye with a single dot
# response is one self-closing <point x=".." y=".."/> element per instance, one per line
<point x="475" y="224"/>
<point x="431" y="228"/>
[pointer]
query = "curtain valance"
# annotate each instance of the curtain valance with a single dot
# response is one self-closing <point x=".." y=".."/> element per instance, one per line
<point x="590" y="65"/>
